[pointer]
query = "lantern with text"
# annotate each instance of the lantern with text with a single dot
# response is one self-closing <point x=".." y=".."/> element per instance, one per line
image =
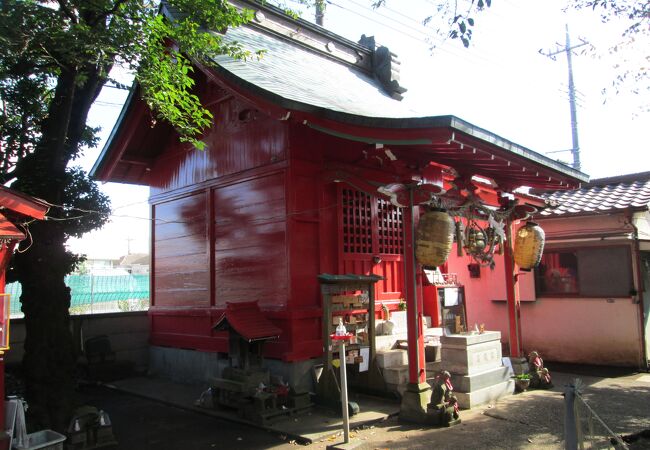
<point x="4" y="321"/>
<point x="434" y="238"/>
<point x="529" y="245"/>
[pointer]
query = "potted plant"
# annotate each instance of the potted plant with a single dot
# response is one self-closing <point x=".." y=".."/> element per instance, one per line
<point x="401" y="305"/>
<point x="522" y="382"/>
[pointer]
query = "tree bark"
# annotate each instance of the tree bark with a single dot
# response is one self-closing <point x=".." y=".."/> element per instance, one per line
<point x="49" y="362"/>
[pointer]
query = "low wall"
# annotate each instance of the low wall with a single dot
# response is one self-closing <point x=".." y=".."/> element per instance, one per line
<point x="127" y="331"/>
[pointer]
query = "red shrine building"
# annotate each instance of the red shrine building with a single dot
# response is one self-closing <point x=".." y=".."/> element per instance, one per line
<point x="315" y="164"/>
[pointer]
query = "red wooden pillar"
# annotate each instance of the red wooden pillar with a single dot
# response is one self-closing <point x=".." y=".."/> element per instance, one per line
<point x="512" y="295"/>
<point x="415" y="337"/>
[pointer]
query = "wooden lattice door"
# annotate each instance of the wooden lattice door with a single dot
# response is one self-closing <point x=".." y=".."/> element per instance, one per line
<point x="371" y="236"/>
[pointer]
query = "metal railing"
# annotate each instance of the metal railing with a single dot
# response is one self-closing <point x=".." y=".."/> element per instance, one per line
<point x="583" y="428"/>
<point x="97" y="294"/>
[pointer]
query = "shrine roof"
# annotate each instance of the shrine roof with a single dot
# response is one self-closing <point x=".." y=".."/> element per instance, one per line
<point x="619" y="193"/>
<point x="22" y="204"/>
<point x="9" y="231"/>
<point x="246" y="319"/>
<point x="351" y="90"/>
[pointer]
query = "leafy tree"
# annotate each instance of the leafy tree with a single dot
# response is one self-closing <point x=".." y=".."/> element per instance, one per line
<point x="632" y="68"/>
<point x="55" y="56"/>
<point x="455" y="19"/>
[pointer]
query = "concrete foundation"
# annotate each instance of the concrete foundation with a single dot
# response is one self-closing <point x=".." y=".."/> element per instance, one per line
<point x="195" y="367"/>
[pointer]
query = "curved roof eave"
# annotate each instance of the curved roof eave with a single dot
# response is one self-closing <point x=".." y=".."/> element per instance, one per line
<point x="411" y="126"/>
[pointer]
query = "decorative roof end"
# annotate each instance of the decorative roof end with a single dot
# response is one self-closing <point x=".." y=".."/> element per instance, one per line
<point x="385" y="67"/>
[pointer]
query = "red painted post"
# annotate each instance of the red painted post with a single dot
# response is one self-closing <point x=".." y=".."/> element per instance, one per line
<point x="413" y="301"/>
<point x="512" y="295"/>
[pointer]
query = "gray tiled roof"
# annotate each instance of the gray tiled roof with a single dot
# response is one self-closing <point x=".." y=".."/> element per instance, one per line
<point x="299" y="75"/>
<point x="603" y="195"/>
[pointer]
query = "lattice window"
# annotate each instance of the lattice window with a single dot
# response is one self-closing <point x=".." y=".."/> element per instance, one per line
<point x="390" y="228"/>
<point x="357" y="221"/>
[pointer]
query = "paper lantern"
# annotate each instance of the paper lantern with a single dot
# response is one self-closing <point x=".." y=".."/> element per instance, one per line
<point x="434" y="238"/>
<point x="529" y="245"/>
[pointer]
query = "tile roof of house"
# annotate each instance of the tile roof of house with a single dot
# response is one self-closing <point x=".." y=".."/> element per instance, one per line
<point x="619" y="193"/>
<point x="246" y="319"/>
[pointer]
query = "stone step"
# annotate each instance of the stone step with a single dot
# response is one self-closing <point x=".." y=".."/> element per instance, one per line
<point x="489" y="394"/>
<point x="399" y="389"/>
<point x="475" y="382"/>
<point x="391" y="358"/>
<point x="388" y="342"/>
<point x="396" y="375"/>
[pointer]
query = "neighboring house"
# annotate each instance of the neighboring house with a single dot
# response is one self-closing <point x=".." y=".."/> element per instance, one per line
<point x="135" y="263"/>
<point x="300" y="176"/>
<point x="92" y="265"/>
<point x="588" y="301"/>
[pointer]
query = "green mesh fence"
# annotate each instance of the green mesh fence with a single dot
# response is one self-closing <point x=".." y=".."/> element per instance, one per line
<point x="97" y="293"/>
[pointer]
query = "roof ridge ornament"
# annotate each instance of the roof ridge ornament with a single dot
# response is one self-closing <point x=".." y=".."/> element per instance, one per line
<point x="385" y="67"/>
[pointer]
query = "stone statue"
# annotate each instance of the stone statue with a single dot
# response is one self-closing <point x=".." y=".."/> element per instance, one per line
<point x="540" y="377"/>
<point x="443" y="401"/>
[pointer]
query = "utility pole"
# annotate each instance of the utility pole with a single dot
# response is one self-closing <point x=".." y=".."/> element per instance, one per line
<point x="568" y="49"/>
<point x="128" y="244"/>
<point x="320" y="12"/>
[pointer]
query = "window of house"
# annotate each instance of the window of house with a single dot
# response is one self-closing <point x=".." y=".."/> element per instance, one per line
<point x="586" y="272"/>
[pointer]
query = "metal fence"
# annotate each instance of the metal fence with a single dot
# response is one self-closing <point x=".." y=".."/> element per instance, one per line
<point x="97" y="294"/>
<point x="583" y="428"/>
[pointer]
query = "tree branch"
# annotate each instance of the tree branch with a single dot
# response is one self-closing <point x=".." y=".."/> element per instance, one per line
<point x="108" y="12"/>
<point x="63" y="5"/>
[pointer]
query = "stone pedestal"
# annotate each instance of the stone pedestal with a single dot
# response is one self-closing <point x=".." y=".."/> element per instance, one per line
<point x="414" y="405"/>
<point x="477" y="371"/>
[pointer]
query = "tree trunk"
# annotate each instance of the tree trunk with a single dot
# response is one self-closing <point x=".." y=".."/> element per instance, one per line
<point x="49" y="363"/>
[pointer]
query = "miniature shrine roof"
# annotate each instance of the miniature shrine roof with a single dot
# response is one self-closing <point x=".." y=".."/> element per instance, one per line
<point x="247" y="320"/>
<point x="15" y="205"/>
<point x="350" y="90"/>
<point x="625" y="192"/>
<point x="9" y="231"/>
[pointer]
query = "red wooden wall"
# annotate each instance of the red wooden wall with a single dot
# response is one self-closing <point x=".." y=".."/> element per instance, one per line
<point x="250" y="218"/>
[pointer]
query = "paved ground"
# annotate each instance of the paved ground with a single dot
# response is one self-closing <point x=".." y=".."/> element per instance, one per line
<point x="141" y="424"/>
<point x="530" y="420"/>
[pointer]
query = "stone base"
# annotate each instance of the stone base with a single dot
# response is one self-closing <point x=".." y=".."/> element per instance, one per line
<point x="414" y="405"/>
<point x="396" y="375"/>
<point x="482" y="380"/>
<point x="391" y="358"/>
<point x="467" y="400"/>
<point x="519" y="365"/>
<point x="472" y="359"/>
<point x="197" y="368"/>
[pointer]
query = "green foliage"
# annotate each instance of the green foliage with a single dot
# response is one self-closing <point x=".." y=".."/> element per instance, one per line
<point x="631" y="50"/>
<point x="141" y="304"/>
<point x="453" y="19"/>
<point x="165" y="71"/>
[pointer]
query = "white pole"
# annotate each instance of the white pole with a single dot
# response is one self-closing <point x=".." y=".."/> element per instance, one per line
<point x="344" y="395"/>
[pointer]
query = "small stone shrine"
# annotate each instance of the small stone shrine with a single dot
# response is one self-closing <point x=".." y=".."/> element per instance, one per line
<point x="476" y="368"/>
<point x="246" y="385"/>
